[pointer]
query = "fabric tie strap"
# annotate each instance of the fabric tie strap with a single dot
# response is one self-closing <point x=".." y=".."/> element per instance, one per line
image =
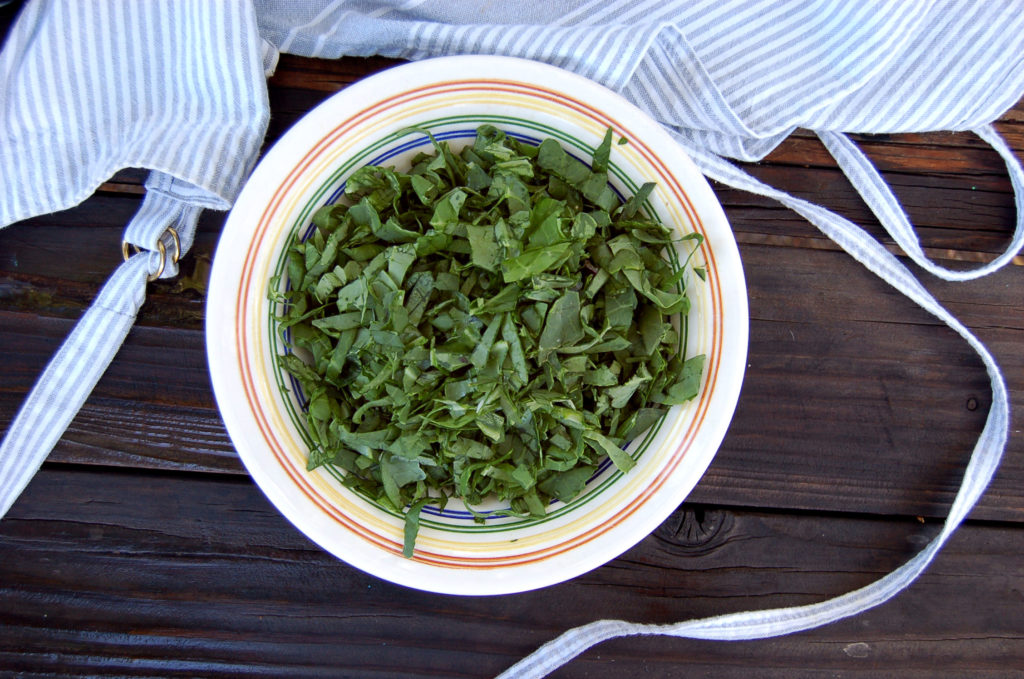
<point x="779" y="621"/>
<point x="188" y="101"/>
<point x="890" y="214"/>
<point x="83" y="358"/>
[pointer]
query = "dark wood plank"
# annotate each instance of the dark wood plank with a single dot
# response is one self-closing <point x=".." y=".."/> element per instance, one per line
<point x="153" y="408"/>
<point x="142" y="575"/>
<point x="954" y="217"/>
<point x="55" y="264"/>
<point x="855" y="399"/>
<point x="936" y="153"/>
<point x="879" y="406"/>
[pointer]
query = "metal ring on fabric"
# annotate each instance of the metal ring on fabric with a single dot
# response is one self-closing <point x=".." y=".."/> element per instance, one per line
<point x="161" y="248"/>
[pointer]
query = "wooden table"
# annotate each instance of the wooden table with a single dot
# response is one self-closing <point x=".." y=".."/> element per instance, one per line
<point x="142" y="548"/>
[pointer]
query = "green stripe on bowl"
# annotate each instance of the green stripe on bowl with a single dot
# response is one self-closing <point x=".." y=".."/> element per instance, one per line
<point x="302" y="222"/>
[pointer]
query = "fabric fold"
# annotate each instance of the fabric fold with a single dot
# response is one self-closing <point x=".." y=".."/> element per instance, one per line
<point x="92" y="88"/>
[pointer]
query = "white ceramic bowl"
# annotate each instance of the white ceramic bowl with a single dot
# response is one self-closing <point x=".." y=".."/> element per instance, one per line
<point x="307" y="168"/>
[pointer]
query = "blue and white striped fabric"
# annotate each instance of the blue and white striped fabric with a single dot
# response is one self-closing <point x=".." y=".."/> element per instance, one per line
<point x="94" y="87"/>
<point x="729" y="78"/>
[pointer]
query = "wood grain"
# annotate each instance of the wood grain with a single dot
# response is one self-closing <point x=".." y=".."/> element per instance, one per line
<point x="156" y="575"/>
<point x="142" y="549"/>
<point x="892" y="439"/>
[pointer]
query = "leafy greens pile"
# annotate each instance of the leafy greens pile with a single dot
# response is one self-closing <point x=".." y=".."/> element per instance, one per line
<point x="493" y="322"/>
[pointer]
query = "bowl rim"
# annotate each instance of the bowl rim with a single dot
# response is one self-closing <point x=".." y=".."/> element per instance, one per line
<point x="281" y="158"/>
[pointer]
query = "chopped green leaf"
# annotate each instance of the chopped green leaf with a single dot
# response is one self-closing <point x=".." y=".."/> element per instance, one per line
<point x="489" y="323"/>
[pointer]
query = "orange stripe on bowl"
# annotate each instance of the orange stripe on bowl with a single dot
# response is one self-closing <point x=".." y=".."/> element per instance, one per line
<point x="389" y="544"/>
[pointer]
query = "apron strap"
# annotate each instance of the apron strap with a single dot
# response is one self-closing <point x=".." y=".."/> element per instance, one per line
<point x="161" y="231"/>
<point x="780" y="621"/>
<point x="879" y="197"/>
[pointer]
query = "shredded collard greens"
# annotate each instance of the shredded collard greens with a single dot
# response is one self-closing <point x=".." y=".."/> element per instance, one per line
<point x="493" y="322"/>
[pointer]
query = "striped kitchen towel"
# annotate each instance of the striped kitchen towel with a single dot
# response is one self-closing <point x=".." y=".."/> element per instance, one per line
<point x="730" y="79"/>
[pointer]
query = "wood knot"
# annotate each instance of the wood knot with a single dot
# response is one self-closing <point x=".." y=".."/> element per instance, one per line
<point x="693" y="528"/>
<point x="857" y="650"/>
